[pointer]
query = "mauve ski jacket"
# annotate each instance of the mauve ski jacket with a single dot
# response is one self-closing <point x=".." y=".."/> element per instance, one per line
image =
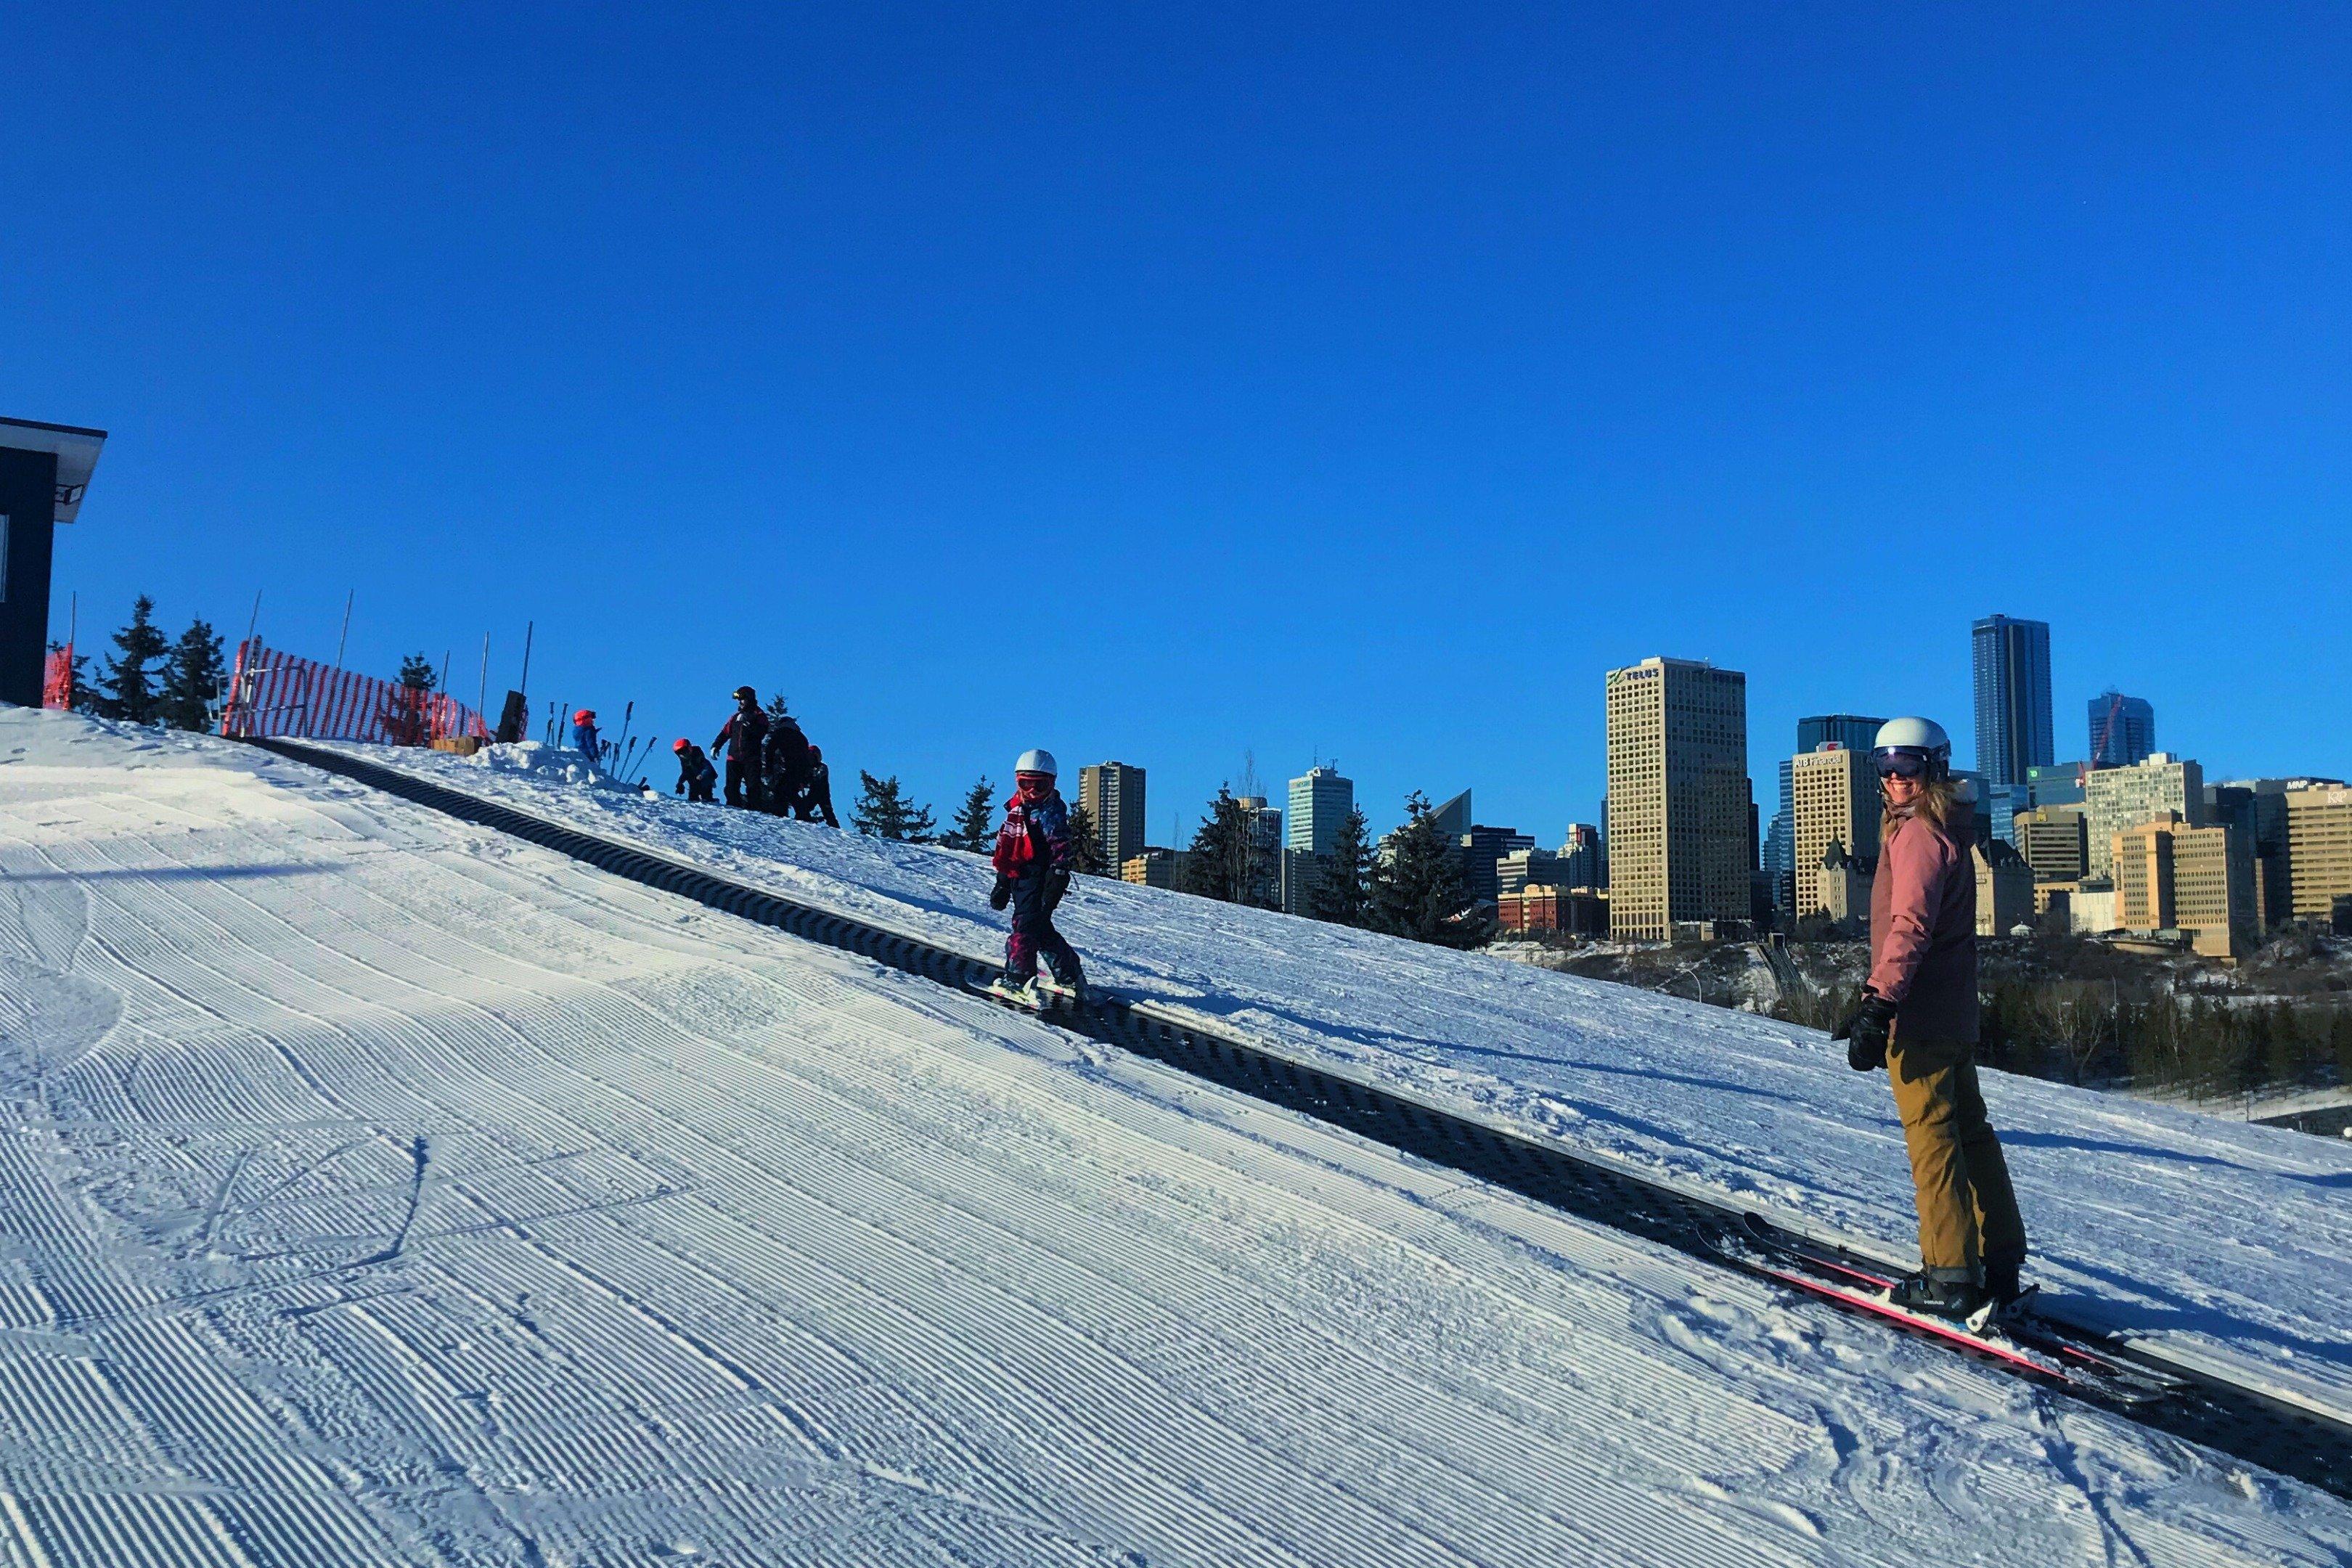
<point x="1923" y="927"/>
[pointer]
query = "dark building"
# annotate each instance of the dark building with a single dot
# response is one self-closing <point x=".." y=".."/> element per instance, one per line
<point x="2012" y="663"/>
<point x="44" y="469"/>
<point x="2122" y="730"/>
<point x="1479" y="848"/>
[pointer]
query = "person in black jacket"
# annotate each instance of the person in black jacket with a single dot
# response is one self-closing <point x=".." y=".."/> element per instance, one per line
<point x="694" y="773"/>
<point x="743" y="733"/>
<point x="815" y="804"/>
<point x="787" y="764"/>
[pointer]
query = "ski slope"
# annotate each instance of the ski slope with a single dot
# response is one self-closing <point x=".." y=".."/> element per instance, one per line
<point x="378" y="1189"/>
<point x="2232" y="1244"/>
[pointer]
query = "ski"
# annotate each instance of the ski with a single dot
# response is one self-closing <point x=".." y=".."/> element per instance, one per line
<point x="1040" y="995"/>
<point x="2015" y="1336"/>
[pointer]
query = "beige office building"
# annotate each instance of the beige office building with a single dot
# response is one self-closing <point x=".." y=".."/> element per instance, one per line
<point x="1112" y="794"/>
<point x="2119" y="798"/>
<point x="2173" y="876"/>
<point x="2053" y="841"/>
<point x="2318" y="850"/>
<point x="2004" y="889"/>
<point x="1834" y="799"/>
<point x="1678" y="840"/>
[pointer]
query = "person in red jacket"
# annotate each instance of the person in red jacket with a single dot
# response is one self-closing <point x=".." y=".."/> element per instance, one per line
<point x="1918" y="1020"/>
<point x="1034" y="857"/>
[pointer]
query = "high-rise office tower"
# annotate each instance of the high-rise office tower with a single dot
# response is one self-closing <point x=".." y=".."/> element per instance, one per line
<point x="2011" y="661"/>
<point x="1112" y="794"/>
<point x="1678" y="823"/>
<point x="1852" y="730"/>
<point x="2122" y="730"/>
<point x="1320" y="801"/>
<point x="1836" y="802"/>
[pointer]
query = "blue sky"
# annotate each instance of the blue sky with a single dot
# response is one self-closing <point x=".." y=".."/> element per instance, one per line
<point x="1173" y="386"/>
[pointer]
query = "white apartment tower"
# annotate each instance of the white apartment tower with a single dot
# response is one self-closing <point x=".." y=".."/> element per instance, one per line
<point x="1678" y="843"/>
<point x="2115" y="800"/>
<point x="1320" y="801"/>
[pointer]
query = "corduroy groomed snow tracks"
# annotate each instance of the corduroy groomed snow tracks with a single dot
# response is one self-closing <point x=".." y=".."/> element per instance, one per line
<point x="2249" y="1424"/>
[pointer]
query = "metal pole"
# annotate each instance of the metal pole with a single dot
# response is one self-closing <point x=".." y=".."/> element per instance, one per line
<point x="523" y="685"/>
<point x="346" y="636"/>
<point x="482" y="696"/>
<point x="253" y="624"/>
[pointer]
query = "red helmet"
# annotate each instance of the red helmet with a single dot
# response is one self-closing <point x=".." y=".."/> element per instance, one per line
<point x="815" y="755"/>
<point x="583" y="716"/>
<point x="682" y="745"/>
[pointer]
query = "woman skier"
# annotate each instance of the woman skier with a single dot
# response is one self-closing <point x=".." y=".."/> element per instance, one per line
<point x="1918" y="1020"/>
<point x="1035" y="856"/>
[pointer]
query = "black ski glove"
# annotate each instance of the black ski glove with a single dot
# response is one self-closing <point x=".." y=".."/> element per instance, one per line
<point x="1002" y="894"/>
<point x="1864" y="1033"/>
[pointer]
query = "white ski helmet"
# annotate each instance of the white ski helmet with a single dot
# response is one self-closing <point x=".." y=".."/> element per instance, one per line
<point x="1037" y="761"/>
<point x="1919" y="737"/>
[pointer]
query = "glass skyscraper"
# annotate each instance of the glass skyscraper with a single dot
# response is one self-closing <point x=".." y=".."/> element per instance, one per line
<point x="2011" y="659"/>
<point x="2122" y="730"/>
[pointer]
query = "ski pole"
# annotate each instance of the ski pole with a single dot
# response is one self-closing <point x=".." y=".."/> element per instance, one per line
<point x="649" y="759"/>
<point x="628" y="714"/>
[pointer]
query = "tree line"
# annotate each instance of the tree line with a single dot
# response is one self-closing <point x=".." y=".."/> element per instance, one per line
<point x="149" y="679"/>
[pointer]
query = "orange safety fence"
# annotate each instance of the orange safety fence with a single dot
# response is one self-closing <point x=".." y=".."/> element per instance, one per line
<point x="276" y="693"/>
<point x="57" y="678"/>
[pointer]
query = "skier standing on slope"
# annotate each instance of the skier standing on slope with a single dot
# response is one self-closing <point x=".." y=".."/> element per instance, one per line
<point x="1918" y="1020"/>
<point x="1034" y="857"/>
<point x="815" y="804"/>
<point x="694" y="773"/>
<point x="742" y="734"/>
<point x="584" y="735"/>
<point x="787" y="764"/>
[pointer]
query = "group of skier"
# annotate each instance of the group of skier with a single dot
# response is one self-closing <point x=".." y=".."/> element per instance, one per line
<point x="771" y="765"/>
<point x="1918" y="1018"/>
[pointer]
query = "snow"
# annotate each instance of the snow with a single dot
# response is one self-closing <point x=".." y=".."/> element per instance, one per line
<point x="382" y="1189"/>
<point x="2230" y="1244"/>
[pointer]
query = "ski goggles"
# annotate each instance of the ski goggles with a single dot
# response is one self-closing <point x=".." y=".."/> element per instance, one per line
<point x="1893" y="764"/>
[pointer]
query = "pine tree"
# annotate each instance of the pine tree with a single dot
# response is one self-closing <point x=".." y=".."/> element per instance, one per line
<point x="777" y="708"/>
<point x="417" y="673"/>
<point x="975" y="820"/>
<point x="132" y="675"/>
<point x="194" y="678"/>
<point x="1343" y="884"/>
<point x="1218" y="866"/>
<point x="1085" y="841"/>
<point x="885" y="811"/>
<point x="1417" y="890"/>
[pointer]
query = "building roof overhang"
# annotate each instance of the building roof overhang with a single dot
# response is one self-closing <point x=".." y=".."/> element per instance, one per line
<point x="77" y="452"/>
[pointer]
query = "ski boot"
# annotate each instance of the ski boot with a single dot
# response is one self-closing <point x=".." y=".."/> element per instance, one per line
<point x="1935" y="1296"/>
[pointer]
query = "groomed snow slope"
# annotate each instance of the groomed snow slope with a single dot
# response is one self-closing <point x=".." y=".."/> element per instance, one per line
<point x="379" y="1189"/>
<point x="2231" y="1243"/>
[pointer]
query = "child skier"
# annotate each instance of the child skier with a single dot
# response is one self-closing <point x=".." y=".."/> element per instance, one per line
<point x="584" y="735"/>
<point x="695" y="774"/>
<point x="1035" y="856"/>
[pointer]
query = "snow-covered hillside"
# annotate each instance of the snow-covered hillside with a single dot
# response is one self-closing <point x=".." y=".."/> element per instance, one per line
<point x="2233" y="1243"/>
<point x="381" y="1189"/>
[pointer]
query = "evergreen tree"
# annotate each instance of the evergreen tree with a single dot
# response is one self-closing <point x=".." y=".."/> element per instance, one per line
<point x="1219" y="864"/>
<point x="1085" y="841"/>
<point x="885" y="811"/>
<point x="777" y="708"/>
<point x="1417" y="890"/>
<point x="975" y="820"/>
<point x="1343" y="891"/>
<point x="133" y="675"/>
<point x="194" y="678"/>
<point x="417" y="673"/>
